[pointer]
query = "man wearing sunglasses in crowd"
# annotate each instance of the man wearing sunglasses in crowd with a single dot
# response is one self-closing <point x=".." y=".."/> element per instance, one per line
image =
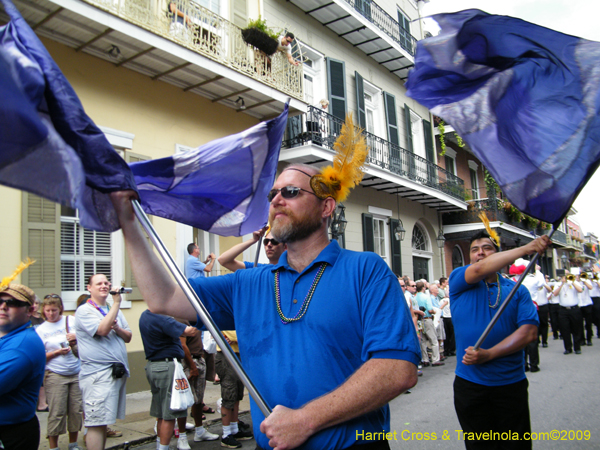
<point x="22" y="363"/>
<point x="320" y="332"/>
<point x="273" y="249"/>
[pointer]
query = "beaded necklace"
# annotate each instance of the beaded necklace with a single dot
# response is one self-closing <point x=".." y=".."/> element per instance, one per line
<point x="95" y="305"/>
<point x="499" y="292"/>
<point x="304" y="307"/>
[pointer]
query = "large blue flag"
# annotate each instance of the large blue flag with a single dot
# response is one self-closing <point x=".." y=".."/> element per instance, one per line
<point x="525" y="98"/>
<point x="48" y="145"/>
<point x="221" y="186"/>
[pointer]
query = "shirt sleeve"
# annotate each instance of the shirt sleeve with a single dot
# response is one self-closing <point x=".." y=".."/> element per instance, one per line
<point x="87" y="320"/>
<point x="457" y="281"/>
<point x="122" y="321"/>
<point x="172" y="327"/>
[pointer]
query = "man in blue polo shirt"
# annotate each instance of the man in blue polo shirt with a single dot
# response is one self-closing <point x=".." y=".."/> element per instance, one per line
<point x="490" y="388"/>
<point x="22" y="363"/>
<point x="193" y="266"/>
<point x="320" y="310"/>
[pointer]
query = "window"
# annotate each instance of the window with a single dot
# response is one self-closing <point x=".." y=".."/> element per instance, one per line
<point x="450" y="164"/>
<point x="82" y="252"/>
<point x="474" y="180"/>
<point x="419" y="240"/>
<point x="457" y="258"/>
<point x="405" y="36"/>
<point x="380" y="237"/>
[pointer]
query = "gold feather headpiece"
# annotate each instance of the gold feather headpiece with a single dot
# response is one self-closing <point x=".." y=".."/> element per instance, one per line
<point x="493" y="235"/>
<point x="346" y="172"/>
<point x="20" y="268"/>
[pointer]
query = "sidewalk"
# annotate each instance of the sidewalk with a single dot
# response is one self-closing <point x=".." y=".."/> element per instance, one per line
<point x="138" y="426"/>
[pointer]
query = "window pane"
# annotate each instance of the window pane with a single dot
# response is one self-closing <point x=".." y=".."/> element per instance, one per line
<point x="419" y="242"/>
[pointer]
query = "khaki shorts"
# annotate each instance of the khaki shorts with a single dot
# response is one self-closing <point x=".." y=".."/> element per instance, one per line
<point x="232" y="389"/>
<point x="64" y="401"/>
<point x="103" y="398"/>
<point x="160" y="377"/>
<point x="198" y="384"/>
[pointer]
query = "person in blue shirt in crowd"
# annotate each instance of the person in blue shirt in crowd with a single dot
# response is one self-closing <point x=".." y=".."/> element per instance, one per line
<point x="333" y="312"/>
<point x="22" y="364"/>
<point x="194" y="267"/>
<point x="490" y="388"/>
<point x="273" y="250"/>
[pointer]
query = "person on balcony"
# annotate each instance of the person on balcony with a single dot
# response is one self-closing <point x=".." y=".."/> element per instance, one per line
<point x="285" y="46"/>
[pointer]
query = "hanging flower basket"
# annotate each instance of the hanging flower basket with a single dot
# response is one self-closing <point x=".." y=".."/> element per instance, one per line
<point x="259" y="39"/>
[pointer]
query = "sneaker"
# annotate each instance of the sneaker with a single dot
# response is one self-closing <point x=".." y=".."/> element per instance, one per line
<point x="205" y="436"/>
<point x="182" y="442"/>
<point x="230" y="442"/>
<point x="113" y="433"/>
<point x="75" y="447"/>
<point x="243" y="425"/>
<point x="190" y="427"/>
<point x="243" y="435"/>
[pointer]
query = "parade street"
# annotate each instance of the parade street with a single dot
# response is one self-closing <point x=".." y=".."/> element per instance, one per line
<point x="563" y="399"/>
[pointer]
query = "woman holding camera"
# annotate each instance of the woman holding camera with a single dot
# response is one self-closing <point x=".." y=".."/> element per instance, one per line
<point x="61" y="380"/>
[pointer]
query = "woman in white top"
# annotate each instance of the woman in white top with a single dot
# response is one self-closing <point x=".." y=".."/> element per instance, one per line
<point x="62" y="372"/>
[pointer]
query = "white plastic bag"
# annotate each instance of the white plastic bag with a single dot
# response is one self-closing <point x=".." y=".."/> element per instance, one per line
<point x="209" y="343"/>
<point x="181" y="394"/>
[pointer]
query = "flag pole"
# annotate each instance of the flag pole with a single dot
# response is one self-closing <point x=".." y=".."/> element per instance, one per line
<point x="203" y="314"/>
<point x="257" y="252"/>
<point x="504" y="304"/>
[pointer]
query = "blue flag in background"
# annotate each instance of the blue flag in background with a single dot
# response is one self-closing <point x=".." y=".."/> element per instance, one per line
<point x="525" y="98"/>
<point x="48" y="145"/>
<point x="219" y="187"/>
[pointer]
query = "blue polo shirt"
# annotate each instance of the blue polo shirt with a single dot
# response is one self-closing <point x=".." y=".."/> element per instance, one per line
<point x="471" y="314"/>
<point x="250" y="265"/>
<point x="357" y="313"/>
<point x="160" y="336"/>
<point x="22" y="364"/>
<point x="194" y="268"/>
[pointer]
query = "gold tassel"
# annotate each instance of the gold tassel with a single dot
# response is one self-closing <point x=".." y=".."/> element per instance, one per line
<point x="20" y="268"/>
<point x="346" y="172"/>
<point x="493" y="235"/>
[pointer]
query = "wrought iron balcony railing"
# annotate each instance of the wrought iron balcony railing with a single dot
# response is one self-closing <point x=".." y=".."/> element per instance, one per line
<point x="212" y="36"/>
<point x="386" y="23"/>
<point x="321" y="128"/>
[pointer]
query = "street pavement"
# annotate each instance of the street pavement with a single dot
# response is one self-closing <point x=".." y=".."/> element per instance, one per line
<point x="562" y="396"/>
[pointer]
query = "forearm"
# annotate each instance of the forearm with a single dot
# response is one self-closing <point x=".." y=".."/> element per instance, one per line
<point x="187" y="355"/>
<point x="156" y="285"/>
<point x="126" y="335"/>
<point x="515" y="342"/>
<point x="228" y="260"/>
<point x="107" y="322"/>
<point x="492" y="264"/>
<point x="209" y="266"/>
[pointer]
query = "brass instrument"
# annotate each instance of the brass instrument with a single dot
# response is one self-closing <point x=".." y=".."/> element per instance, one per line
<point x="571" y="277"/>
<point x="595" y="277"/>
<point x="584" y="276"/>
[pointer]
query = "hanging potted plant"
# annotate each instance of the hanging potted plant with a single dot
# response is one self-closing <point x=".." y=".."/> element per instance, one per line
<point x="258" y="35"/>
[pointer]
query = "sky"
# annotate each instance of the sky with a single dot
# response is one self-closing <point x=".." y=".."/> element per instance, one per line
<point x="574" y="17"/>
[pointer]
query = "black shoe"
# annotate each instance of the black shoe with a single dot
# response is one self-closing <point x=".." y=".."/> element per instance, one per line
<point x="567" y="352"/>
<point x="535" y="369"/>
<point x="526" y="368"/>
<point x="425" y="364"/>
<point x="578" y="352"/>
<point x="408" y="391"/>
<point x="436" y="364"/>
<point x="556" y="338"/>
<point x="589" y="343"/>
<point x="243" y="435"/>
<point x="243" y="426"/>
<point x="230" y="442"/>
<point x="545" y="344"/>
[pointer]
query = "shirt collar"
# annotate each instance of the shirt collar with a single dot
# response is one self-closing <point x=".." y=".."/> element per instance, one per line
<point x="17" y="330"/>
<point x="329" y="255"/>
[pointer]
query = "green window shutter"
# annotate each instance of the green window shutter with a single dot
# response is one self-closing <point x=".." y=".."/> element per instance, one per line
<point x="360" y="101"/>
<point x="368" y="241"/>
<point x="336" y="84"/>
<point x="395" y="253"/>
<point x="391" y="118"/>
<point x="409" y="139"/>
<point x="428" y="132"/>
<point x="129" y="279"/>
<point x="41" y="242"/>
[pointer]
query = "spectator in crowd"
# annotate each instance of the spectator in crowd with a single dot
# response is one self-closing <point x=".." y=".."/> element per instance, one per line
<point x="438" y="320"/>
<point x="193" y="267"/>
<point x="194" y="367"/>
<point x="449" y="343"/>
<point x="428" y="335"/>
<point x="273" y="249"/>
<point x="22" y="362"/>
<point x="62" y="372"/>
<point x="102" y="333"/>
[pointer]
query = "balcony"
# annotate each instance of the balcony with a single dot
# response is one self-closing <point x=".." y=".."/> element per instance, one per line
<point x="205" y="56"/>
<point x="364" y="24"/>
<point x="313" y="134"/>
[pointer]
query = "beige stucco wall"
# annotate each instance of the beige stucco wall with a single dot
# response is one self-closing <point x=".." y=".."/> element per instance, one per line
<point x="10" y="231"/>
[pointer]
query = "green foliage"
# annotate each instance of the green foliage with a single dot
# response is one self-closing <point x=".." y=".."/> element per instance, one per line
<point x="261" y="24"/>
<point x="442" y="130"/>
<point x="459" y="140"/>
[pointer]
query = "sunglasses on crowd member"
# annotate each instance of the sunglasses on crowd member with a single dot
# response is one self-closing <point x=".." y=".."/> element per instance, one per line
<point x="287" y="192"/>
<point x="51" y="296"/>
<point x="267" y="241"/>
<point x="12" y="303"/>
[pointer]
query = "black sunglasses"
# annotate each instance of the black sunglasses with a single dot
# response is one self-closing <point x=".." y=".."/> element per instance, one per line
<point x="267" y="241"/>
<point x="51" y="296"/>
<point x="287" y="192"/>
<point x="12" y="303"/>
